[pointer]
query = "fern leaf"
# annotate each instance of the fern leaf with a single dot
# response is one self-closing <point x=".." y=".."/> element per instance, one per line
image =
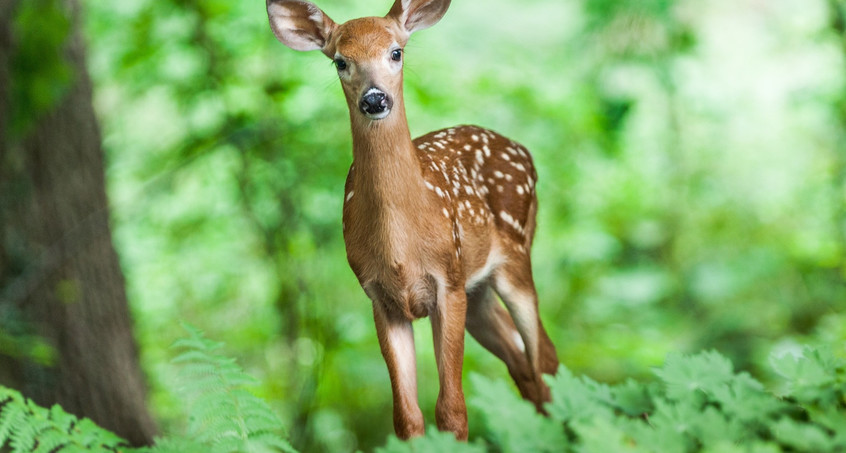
<point x="272" y="440"/>
<point x="27" y="427"/>
<point x="178" y="445"/>
<point x="23" y="432"/>
<point x="89" y="434"/>
<point x="50" y="440"/>
<point x="10" y="411"/>
<point x="223" y="413"/>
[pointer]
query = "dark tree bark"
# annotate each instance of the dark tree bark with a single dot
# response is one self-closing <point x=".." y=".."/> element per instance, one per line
<point x="60" y="280"/>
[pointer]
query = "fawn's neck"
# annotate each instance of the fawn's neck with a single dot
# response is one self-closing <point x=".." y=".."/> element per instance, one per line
<point x="387" y="170"/>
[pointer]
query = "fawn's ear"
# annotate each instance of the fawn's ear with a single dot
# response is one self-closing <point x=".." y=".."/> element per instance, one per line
<point x="299" y="24"/>
<point x="414" y="15"/>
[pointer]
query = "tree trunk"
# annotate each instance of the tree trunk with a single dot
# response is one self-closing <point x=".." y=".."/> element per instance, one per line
<point x="65" y="327"/>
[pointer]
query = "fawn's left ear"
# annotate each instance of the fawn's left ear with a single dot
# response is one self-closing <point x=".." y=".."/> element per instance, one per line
<point x="414" y="15"/>
<point x="299" y="24"/>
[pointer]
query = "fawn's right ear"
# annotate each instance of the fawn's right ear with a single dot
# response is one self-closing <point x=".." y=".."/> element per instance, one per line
<point x="299" y="24"/>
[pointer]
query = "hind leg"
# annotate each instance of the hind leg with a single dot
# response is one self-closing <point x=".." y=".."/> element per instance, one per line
<point x="513" y="282"/>
<point x="493" y="328"/>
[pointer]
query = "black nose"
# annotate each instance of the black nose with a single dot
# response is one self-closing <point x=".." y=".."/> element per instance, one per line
<point x="374" y="101"/>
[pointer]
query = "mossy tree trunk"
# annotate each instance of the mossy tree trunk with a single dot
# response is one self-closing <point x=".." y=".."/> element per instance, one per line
<point x="65" y="327"/>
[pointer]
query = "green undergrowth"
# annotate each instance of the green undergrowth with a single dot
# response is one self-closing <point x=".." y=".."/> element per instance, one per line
<point x="222" y="415"/>
<point x="698" y="403"/>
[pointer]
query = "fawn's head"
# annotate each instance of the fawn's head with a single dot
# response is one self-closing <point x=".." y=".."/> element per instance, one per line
<point x="368" y="52"/>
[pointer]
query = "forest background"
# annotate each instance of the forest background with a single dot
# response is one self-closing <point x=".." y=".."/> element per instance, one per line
<point x="692" y="183"/>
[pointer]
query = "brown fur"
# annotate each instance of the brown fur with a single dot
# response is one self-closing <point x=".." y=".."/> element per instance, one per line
<point x="432" y="226"/>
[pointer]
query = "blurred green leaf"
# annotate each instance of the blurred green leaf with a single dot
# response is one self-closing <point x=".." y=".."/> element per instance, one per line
<point x="39" y="71"/>
<point x="513" y="423"/>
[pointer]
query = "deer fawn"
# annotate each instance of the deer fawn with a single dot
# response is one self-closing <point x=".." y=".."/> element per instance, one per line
<point x="432" y="226"/>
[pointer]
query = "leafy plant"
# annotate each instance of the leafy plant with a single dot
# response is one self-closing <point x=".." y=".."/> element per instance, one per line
<point x="27" y="427"/>
<point x="222" y="412"/>
<point x="433" y="441"/>
<point x="40" y="75"/>
<point x="698" y="404"/>
<point x="223" y="416"/>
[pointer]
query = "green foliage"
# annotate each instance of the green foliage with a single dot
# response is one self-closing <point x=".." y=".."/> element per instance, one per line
<point x="699" y="404"/>
<point x="691" y="180"/>
<point x="223" y="417"/>
<point x="512" y="423"/>
<point x="223" y="414"/>
<point x="27" y="427"/>
<point x="433" y="441"/>
<point x="17" y="341"/>
<point x="40" y="73"/>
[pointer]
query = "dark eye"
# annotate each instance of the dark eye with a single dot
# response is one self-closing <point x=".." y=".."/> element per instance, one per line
<point x="340" y="64"/>
<point x="396" y="55"/>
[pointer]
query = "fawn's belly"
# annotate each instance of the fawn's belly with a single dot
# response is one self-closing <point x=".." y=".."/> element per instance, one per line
<point x="411" y="298"/>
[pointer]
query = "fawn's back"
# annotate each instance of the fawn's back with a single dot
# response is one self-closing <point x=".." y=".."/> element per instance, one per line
<point x="486" y="178"/>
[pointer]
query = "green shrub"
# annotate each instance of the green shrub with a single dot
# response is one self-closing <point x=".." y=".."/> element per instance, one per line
<point x="27" y="427"/>
<point x="698" y="404"/>
<point x="223" y="416"/>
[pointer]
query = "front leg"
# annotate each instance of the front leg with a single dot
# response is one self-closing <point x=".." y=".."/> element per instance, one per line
<point x="396" y="338"/>
<point x="448" y="333"/>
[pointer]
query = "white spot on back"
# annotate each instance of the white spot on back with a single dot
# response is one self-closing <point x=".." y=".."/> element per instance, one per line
<point x="507" y="218"/>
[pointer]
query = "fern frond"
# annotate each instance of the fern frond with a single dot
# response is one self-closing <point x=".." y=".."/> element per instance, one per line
<point x="27" y="427"/>
<point x="11" y="410"/>
<point x="224" y="415"/>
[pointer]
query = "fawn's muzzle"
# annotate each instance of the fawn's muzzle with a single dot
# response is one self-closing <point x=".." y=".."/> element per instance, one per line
<point x="375" y="104"/>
